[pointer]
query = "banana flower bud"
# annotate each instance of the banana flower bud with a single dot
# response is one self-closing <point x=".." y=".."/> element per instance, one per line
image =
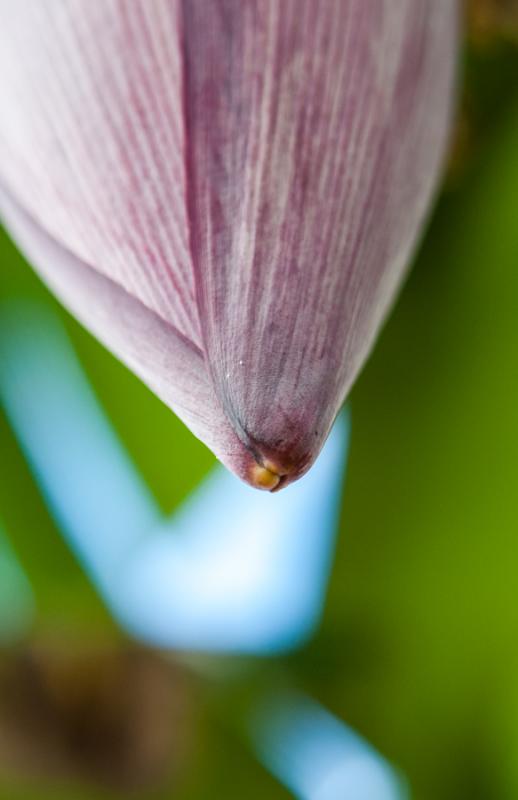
<point x="227" y="193"/>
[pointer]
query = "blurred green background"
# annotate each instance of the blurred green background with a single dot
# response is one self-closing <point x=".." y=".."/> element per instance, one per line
<point x="418" y="647"/>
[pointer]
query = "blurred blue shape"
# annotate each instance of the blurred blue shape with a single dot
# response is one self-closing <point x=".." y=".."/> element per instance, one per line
<point x="317" y="756"/>
<point x="232" y="570"/>
<point x="248" y="570"/>
<point x="92" y="489"/>
<point x="16" y="597"/>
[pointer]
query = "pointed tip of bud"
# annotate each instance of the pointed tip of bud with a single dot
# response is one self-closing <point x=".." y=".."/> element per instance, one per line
<point x="271" y="467"/>
<point x="264" y="478"/>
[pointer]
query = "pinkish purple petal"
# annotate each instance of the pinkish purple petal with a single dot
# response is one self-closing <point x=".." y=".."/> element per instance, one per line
<point x="92" y="144"/>
<point x="168" y="363"/>
<point x="315" y="133"/>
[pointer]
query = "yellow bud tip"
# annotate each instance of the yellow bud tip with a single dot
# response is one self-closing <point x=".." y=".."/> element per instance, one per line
<point x="264" y="478"/>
